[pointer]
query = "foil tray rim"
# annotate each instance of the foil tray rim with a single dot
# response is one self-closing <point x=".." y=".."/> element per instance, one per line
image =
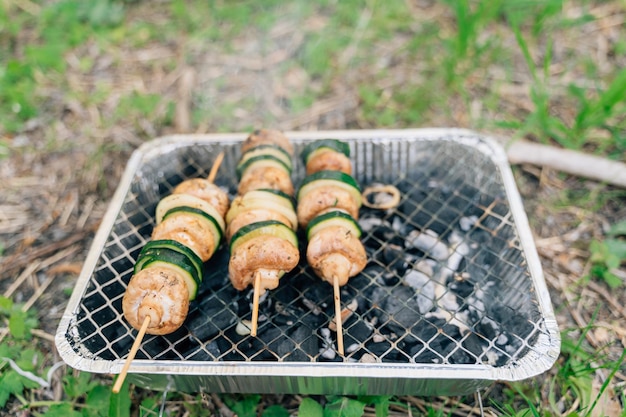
<point x="531" y="365"/>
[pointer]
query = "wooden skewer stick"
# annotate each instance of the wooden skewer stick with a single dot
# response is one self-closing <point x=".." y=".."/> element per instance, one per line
<point x="255" y="303"/>
<point x="338" y="320"/>
<point x="146" y="322"/>
<point x="131" y="355"/>
<point x="215" y="167"/>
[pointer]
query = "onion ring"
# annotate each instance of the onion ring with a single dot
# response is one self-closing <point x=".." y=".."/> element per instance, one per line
<point x="389" y="190"/>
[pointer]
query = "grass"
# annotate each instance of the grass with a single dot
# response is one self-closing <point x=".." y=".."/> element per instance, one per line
<point x="454" y="63"/>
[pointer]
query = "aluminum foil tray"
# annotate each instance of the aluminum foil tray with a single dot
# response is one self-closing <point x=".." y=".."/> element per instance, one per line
<point x="453" y="297"/>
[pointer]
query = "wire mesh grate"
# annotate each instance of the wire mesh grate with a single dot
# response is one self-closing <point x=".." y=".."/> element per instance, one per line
<point x="446" y="283"/>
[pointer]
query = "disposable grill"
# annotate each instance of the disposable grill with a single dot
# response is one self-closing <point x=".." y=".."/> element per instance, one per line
<point x="452" y="298"/>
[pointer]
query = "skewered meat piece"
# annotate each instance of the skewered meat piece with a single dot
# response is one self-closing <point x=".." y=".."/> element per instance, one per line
<point x="323" y="198"/>
<point x="327" y="155"/>
<point x="207" y="191"/>
<point x="328" y="160"/>
<point x="160" y="293"/>
<point x="336" y="252"/>
<point x="270" y="256"/>
<point x="192" y="231"/>
<point x="271" y="177"/>
<point x="267" y="137"/>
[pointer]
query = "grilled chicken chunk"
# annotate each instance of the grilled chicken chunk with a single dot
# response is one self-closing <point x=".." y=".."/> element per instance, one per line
<point x="207" y="191"/>
<point x="265" y="177"/>
<point x="329" y="160"/>
<point x="336" y="252"/>
<point x="271" y="256"/>
<point x="160" y="293"/>
<point x="191" y="231"/>
<point x="267" y="137"/>
<point x="323" y="198"/>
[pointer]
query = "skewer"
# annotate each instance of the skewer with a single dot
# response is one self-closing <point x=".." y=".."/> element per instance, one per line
<point x="131" y="355"/>
<point x="215" y="167"/>
<point x="338" y="319"/>
<point x="255" y="303"/>
<point x="146" y="322"/>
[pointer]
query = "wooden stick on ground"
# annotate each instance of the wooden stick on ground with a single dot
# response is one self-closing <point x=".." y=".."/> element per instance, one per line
<point x="572" y="162"/>
<point x="255" y="303"/>
<point x="338" y="319"/>
<point x="131" y="355"/>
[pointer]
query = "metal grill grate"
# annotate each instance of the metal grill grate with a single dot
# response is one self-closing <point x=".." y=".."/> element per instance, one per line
<point x="447" y="281"/>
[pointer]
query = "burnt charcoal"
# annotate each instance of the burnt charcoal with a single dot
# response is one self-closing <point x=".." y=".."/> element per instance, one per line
<point x="359" y="332"/>
<point x="264" y="346"/>
<point x="208" y="320"/>
<point x="401" y="226"/>
<point x="424" y="289"/>
<point x="396" y="356"/>
<point x="320" y="292"/>
<point x="285" y="294"/>
<point x="462" y="289"/>
<point x="390" y="279"/>
<point x="461" y="356"/>
<point x="371" y="244"/>
<point x="210" y="352"/>
<point x="423" y="331"/>
<point x="370" y="219"/>
<point x="395" y="259"/>
<point x="215" y="276"/>
<point x="399" y="309"/>
<point x="474" y="344"/>
<point x="379" y="348"/>
<point x="487" y="328"/>
<point x="234" y="355"/>
<point x="312" y="321"/>
<point x="387" y="235"/>
<point x="512" y="321"/>
<point x="114" y="331"/>
<point x="284" y="319"/>
<point x="376" y="297"/>
<point x="438" y="349"/>
<point x="366" y="277"/>
<point x="300" y="346"/>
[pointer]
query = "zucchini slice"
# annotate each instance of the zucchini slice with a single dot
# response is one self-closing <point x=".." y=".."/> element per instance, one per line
<point x="267" y="199"/>
<point x="170" y="255"/>
<point x="261" y="161"/>
<point x="279" y="193"/>
<point x="211" y="221"/>
<point x="264" y="228"/>
<point x="272" y="150"/>
<point x="187" y="200"/>
<point x="331" y="178"/>
<point x="324" y="145"/>
<point x="333" y="218"/>
<point x="156" y="246"/>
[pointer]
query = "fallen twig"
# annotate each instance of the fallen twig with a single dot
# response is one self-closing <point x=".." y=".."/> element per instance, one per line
<point x="566" y="160"/>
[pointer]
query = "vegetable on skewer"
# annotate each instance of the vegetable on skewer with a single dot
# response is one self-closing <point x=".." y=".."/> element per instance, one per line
<point x="262" y="219"/>
<point x="328" y="206"/>
<point x="168" y="270"/>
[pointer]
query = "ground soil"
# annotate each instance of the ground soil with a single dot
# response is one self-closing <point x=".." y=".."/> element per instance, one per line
<point x="52" y="199"/>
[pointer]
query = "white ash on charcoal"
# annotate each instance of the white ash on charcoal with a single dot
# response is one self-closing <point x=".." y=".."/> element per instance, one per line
<point x="444" y="284"/>
<point x="455" y="256"/>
